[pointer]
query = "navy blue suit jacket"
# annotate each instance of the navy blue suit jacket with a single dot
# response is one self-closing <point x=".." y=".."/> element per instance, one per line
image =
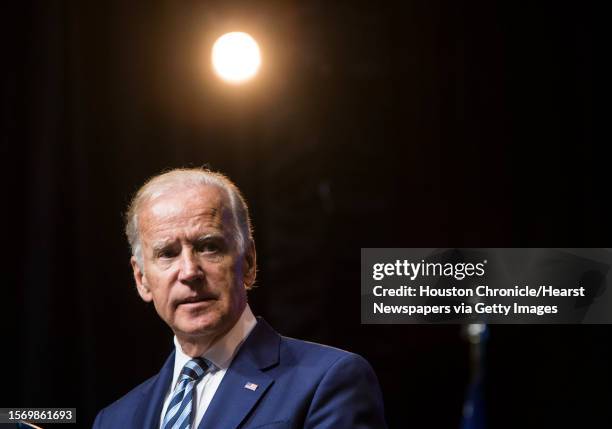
<point x="299" y="385"/>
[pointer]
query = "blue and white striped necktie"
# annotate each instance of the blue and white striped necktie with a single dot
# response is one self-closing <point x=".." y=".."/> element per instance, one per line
<point x="179" y="414"/>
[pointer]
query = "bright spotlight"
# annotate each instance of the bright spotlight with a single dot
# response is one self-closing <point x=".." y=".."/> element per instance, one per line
<point x="236" y="57"/>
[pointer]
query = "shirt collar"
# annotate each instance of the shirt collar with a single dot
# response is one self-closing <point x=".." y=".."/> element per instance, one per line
<point x="221" y="353"/>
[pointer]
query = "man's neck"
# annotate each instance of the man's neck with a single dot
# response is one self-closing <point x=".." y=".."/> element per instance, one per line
<point x="197" y="346"/>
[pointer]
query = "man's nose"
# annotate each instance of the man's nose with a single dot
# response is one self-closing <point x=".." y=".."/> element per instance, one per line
<point x="190" y="268"/>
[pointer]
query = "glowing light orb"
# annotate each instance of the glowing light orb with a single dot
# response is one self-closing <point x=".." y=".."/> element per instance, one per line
<point x="236" y="57"/>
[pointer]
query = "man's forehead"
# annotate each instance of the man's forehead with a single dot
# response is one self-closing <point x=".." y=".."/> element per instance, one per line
<point x="164" y="241"/>
<point x="187" y="205"/>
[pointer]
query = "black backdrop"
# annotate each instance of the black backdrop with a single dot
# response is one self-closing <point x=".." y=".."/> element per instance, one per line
<point x="417" y="124"/>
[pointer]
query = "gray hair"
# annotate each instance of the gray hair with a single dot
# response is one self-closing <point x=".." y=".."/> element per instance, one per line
<point x="188" y="177"/>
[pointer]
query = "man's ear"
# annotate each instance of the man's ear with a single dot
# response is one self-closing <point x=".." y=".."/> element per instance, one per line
<point x="250" y="265"/>
<point x="141" y="281"/>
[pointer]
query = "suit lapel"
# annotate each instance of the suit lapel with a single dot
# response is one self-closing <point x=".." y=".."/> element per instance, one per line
<point x="245" y="382"/>
<point x="148" y="413"/>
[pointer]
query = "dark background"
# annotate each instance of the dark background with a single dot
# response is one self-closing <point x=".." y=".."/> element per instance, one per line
<point x="417" y="124"/>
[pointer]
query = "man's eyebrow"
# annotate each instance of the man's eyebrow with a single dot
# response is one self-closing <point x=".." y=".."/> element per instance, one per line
<point x="159" y="245"/>
<point x="210" y="236"/>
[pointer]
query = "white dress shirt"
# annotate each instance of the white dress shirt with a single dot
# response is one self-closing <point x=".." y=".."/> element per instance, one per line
<point x="220" y="355"/>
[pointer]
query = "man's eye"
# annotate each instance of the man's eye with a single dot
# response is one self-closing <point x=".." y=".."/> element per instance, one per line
<point x="165" y="254"/>
<point x="208" y="248"/>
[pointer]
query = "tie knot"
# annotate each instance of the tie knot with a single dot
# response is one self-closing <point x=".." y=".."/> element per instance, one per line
<point x="195" y="368"/>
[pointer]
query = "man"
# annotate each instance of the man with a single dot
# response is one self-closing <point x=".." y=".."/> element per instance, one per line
<point x="194" y="258"/>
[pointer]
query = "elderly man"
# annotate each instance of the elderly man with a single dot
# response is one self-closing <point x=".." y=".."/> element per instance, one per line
<point x="194" y="258"/>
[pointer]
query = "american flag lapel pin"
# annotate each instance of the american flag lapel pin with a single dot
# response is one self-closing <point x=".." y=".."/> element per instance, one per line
<point x="250" y="386"/>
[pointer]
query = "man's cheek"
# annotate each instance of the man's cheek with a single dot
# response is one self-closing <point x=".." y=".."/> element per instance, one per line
<point x="221" y="273"/>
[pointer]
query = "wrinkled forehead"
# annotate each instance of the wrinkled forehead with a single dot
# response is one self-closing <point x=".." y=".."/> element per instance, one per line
<point x="184" y="203"/>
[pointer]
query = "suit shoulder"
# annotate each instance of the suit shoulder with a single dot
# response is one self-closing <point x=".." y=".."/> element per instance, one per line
<point x="319" y="352"/>
<point x="344" y="388"/>
<point x="310" y="347"/>
<point x="121" y="412"/>
<point x="128" y="399"/>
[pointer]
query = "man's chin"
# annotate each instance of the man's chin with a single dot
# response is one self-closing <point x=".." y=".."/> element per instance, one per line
<point x="202" y="326"/>
<point x="207" y="325"/>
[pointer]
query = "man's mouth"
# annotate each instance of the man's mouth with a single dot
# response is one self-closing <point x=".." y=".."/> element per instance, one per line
<point x="195" y="300"/>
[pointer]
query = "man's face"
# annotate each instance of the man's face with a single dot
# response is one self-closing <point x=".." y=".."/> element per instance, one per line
<point x="193" y="270"/>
